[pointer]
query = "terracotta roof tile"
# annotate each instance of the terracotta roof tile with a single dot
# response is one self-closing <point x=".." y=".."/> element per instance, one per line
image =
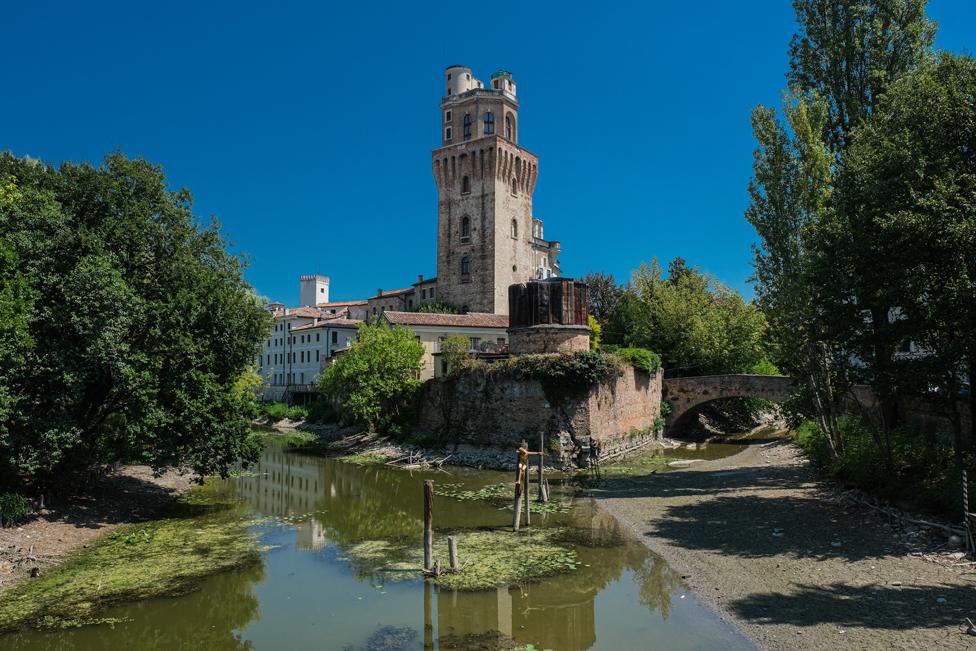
<point x="338" y="322"/>
<point x="339" y="304"/>
<point x="469" y="320"/>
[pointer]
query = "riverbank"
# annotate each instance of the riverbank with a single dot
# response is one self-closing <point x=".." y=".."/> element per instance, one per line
<point x="133" y="494"/>
<point x="792" y="561"/>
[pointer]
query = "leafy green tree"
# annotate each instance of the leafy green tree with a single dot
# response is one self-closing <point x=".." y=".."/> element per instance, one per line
<point x="455" y="350"/>
<point x="910" y="193"/>
<point x="375" y="381"/>
<point x="595" y="332"/>
<point x="603" y="295"/>
<point x="140" y="324"/>
<point x="437" y="307"/>
<point x="697" y="325"/>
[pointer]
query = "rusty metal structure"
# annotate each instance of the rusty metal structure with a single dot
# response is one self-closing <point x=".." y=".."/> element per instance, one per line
<point x="553" y="301"/>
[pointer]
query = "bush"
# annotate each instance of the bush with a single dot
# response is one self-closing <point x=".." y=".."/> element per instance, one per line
<point x="297" y="412"/>
<point x="595" y="331"/>
<point x="274" y="411"/>
<point x="562" y="376"/>
<point x="322" y="411"/>
<point x="437" y="307"/>
<point x="640" y="358"/>
<point x="923" y="473"/>
<point x="376" y="380"/>
<point x="13" y="507"/>
<point x="455" y="351"/>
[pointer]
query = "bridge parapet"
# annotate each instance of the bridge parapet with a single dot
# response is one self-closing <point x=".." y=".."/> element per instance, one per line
<point x="688" y="393"/>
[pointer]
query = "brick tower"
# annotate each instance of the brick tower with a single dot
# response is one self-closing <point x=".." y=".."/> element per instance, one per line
<point x="487" y="238"/>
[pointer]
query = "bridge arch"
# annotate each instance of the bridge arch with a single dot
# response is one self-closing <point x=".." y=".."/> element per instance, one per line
<point x="686" y="394"/>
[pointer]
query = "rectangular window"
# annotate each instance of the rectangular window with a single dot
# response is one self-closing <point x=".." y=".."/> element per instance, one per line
<point x="303" y="379"/>
<point x="335" y="337"/>
<point x="316" y="354"/>
<point x="317" y="336"/>
<point x="475" y="343"/>
<point x="447" y="116"/>
<point x="423" y="293"/>
<point x="447" y="134"/>
<point x="432" y="292"/>
<point x="467" y="126"/>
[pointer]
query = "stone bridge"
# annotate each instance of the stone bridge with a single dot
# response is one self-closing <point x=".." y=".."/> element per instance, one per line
<point x="686" y="394"/>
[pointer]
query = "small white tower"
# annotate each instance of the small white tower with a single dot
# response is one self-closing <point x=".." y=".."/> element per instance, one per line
<point x="313" y="289"/>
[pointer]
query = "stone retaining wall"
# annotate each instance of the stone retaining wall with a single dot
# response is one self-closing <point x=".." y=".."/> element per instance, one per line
<point x="480" y="409"/>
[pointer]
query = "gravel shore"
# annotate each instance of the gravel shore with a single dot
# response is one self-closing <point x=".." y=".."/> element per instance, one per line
<point x="779" y="552"/>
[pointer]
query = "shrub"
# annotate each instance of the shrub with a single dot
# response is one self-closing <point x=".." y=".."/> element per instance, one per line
<point x="455" y="351"/>
<point x="641" y="359"/>
<point x="275" y="411"/>
<point x="297" y="412"/>
<point x="437" y="307"/>
<point x="13" y="507"/>
<point x="375" y="381"/>
<point x="562" y="376"/>
<point x="595" y="331"/>
<point x="322" y="411"/>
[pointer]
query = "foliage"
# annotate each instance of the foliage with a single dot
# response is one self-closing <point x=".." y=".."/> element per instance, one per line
<point x="363" y="459"/>
<point x="595" y="330"/>
<point x="603" y="295"/>
<point x="277" y="411"/>
<point x="436" y="307"/>
<point x="322" y="411"/>
<point x="666" y="408"/>
<point x="375" y="381"/>
<point x="924" y="472"/>
<point x="698" y="325"/>
<point x="13" y="507"/>
<point x="127" y="328"/>
<point x="456" y="491"/>
<point x="562" y="376"/>
<point x="207" y="534"/>
<point x="640" y="358"/>
<point x="455" y="350"/>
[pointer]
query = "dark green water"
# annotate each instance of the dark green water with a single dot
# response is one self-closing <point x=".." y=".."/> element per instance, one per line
<point x="308" y="593"/>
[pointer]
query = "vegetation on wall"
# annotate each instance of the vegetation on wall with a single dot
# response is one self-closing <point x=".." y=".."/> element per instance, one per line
<point x="375" y="381"/>
<point x="127" y="331"/>
<point x="640" y="358"/>
<point x="595" y="332"/>
<point x="436" y="307"/>
<point x="455" y="350"/>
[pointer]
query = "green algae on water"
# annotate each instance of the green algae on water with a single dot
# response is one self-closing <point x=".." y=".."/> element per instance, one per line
<point x="206" y="533"/>
<point x="488" y="558"/>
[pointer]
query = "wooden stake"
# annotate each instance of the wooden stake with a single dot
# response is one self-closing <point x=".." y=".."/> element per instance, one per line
<point x="518" y="506"/>
<point x="428" y="523"/>
<point x="452" y="552"/>
<point x="428" y="617"/>
<point x="528" y="501"/>
<point x="543" y="489"/>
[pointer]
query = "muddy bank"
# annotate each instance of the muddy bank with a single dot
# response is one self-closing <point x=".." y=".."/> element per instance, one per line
<point x="133" y="494"/>
<point x="778" y="551"/>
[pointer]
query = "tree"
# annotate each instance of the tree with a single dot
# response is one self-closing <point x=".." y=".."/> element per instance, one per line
<point x="455" y="351"/>
<point x="603" y="295"/>
<point x="909" y="186"/>
<point x="595" y="332"/>
<point x="140" y="325"/>
<point x="848" y="51"/>
<point x="695" y="323"/>
<point x="375" y="381"/>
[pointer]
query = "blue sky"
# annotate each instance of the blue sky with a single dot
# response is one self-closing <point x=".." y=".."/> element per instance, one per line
<point x="307" y="127"/>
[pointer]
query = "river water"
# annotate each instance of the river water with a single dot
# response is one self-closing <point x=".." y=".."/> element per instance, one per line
<point x="308" y="593"/>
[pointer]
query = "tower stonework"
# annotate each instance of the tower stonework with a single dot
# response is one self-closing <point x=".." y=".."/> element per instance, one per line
<point x="487" y="238"/>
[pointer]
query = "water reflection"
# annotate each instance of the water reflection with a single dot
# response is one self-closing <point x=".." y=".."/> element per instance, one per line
<point x="311" y="592"/>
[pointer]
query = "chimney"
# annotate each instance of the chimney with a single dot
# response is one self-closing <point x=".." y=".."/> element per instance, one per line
<point x="420" y="278"/>
<point x="379" y="292"/>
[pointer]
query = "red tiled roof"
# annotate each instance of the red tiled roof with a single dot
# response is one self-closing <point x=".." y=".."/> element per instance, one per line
<point x="338" y="322"/>
<point x="310" y="312"/>
<point x="469" y="320"/>
<point x="339" y="304"/>
<point x="392" y="292"/>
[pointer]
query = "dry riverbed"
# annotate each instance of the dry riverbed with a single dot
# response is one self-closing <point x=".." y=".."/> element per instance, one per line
<point x="780" y="551"/>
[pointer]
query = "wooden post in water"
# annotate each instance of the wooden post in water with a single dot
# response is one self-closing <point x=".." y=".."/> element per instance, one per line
<point x="452" y="552"/>
<point x="543" y="489"/>
<point x="528" y="500"/>
<point x="428" y="524"/>
<point x="428" y="618"/>
<point x="518" y="497"/>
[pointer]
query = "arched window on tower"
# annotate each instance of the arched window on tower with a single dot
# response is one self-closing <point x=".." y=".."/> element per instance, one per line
<point x="510" y="127"/>
<point x="465" y="268"/>
<point x="465" y="228"/>
<point x="514" y="229"/>
<point x="465" y="185"/>
<point x="467" y="126"/>
<point x="489" y="123"/>
<point x="514" y="187"/>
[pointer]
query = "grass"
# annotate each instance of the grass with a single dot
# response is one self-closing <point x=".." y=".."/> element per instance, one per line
<point x="489" y="558"/>
<point x="363" y="459"/>
<point x="205" y="534"/>
<point x="639" y="465"/>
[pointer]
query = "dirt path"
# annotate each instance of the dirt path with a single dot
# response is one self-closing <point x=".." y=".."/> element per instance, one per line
<point x="768" y="543"/>
<point x="131" y="495"/>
